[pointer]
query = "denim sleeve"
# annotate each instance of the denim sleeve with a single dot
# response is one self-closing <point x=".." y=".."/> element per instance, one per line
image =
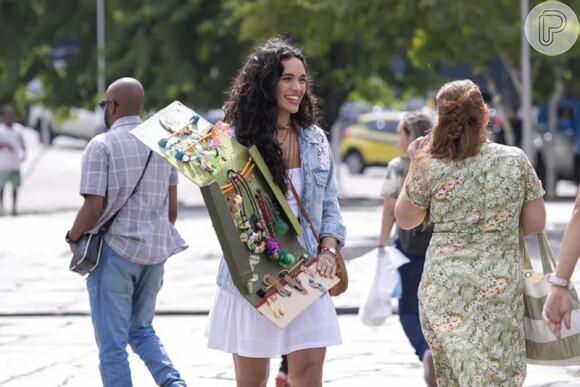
<point x="331" y="224"/>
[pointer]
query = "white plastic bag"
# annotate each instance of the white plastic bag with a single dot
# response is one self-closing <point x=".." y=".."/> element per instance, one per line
<point x="397" y="256"/>
<point x="399" y="259"/>
<point x="377" y="306"/>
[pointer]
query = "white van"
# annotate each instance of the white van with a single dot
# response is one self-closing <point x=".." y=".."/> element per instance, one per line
<point x="78" y="123"/>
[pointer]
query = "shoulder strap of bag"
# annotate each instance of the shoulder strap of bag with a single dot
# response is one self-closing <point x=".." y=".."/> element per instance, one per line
<point x="546" y="254"/>
<point x="548" y="260"/>
<point x="303" y="210"/>
<point x="524" y="251"/>
<point x="108" y="223"/>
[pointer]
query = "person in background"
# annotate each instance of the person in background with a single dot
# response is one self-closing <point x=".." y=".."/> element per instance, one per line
<point x="282" y="379"/>
<point x="413" y="243"/>
<point x="12" y="153"/>
<point x="477" y="193"/>
<point x="123" y="288"/>
<point x="271" y="106"/>
<point x="558" y="306"/>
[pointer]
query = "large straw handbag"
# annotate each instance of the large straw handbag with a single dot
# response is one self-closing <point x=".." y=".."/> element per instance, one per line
<point x="542" y="348"/>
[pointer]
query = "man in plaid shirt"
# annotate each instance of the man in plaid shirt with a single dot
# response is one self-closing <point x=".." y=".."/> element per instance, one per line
<point x="123" y="288"/>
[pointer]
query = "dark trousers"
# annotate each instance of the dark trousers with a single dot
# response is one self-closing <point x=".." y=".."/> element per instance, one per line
<point x="409" y="303"/>
<point x="284" y="365"/>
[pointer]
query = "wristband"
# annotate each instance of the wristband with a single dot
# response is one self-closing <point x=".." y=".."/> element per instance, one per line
<point x="67" y="238"/>
<point x="327" y="249"/>
<point x="558" y="281"/>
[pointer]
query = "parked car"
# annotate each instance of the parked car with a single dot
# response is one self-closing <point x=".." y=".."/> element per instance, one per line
<point x="565" y="144"/>
<point x="77" y="123"/>
<point x="370" y="141"/>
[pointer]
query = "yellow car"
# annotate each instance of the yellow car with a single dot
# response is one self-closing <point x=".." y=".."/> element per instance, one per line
<point x="371" y="141"/>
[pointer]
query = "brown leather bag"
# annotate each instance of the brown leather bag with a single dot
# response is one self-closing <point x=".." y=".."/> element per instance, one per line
<point x="341" y="272"/>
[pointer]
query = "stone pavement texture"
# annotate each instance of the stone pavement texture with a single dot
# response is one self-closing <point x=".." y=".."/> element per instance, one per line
<point x="46" y="335"/>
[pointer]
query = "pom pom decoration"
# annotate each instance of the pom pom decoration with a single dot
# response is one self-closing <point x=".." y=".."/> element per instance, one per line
<point x="272" y="248"/>
<point x="286" y="259"/>
<point x="280" y="227"/>
<point x="163" y="142"/>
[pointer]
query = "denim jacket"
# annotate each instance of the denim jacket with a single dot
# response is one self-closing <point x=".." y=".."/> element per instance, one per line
<point x="319" y="196"/>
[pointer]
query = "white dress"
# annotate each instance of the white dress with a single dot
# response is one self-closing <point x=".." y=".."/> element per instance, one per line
<point x="235" y="326"/>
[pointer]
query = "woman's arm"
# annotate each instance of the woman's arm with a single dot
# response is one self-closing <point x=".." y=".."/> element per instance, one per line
<point x="331" y="224"/>
<point x="570" y="250"/>
<point x="558" y="305"/>
<point x="332" y="231"/>
<point x="533" y="216"/>
<point x="387" y="223"/>
<point x="407" y="214"/>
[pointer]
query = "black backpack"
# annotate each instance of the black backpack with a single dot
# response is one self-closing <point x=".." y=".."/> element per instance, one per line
<point x="415" y="242"/>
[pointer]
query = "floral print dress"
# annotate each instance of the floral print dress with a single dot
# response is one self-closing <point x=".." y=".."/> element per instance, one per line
<point x="471" y="292"/>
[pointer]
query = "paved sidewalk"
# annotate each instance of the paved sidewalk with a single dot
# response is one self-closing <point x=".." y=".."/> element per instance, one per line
<point x="60" y="351"/>
<point x="46" y="336"/>
<point x="56" y="352"/>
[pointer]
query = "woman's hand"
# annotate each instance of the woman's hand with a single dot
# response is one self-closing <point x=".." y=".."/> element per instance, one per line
<point x="557" y="308"/>
<point x="326" y="266"/>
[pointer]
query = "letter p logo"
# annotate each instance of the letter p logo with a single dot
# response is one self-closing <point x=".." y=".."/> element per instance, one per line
<point x="552" y="22"/>
<point x="552" y="28"/>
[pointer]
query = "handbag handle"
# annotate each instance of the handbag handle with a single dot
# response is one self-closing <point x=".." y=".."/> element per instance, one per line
<point x="303" y="210"/>
<point x="546" y="254"/>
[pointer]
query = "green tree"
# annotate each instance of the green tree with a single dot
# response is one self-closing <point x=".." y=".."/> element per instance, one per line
<point x="346" y="42"/>
<point x="179" y="50"/>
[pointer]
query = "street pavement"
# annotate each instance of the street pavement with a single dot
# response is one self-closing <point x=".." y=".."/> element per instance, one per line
<point x="45" y="331"/>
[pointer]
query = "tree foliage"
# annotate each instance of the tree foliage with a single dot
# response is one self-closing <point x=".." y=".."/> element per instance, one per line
<point x="189" y="50"/>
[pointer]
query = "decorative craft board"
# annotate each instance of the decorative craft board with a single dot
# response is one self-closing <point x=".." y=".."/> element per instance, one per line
<point x="214" y="177"/>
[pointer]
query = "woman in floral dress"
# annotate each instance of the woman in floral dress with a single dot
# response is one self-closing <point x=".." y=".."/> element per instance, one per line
<point x="477" y="193"/>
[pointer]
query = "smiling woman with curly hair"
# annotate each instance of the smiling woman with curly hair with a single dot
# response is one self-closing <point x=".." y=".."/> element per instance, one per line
<point x="271" y="106"/>
<point x="252" y="106"/>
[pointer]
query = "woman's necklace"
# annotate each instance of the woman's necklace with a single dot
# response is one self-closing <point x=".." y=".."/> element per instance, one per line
<point x="282" y="127"/>
<point x="290" y="152"/>
<point x="282" y="141"/>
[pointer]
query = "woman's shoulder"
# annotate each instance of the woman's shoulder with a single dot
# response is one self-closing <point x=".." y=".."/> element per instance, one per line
<point x="315" y="132"/>
<point x="500" y="150"/>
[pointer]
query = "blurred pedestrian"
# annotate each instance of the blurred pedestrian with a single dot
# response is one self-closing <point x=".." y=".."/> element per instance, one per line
<point x="12" y="153"/>
<point x="271" y="106"/>
<point x="282" y="379"/>
<point x="413" y="243"/>
<point x="477" y="193"/>
<point x="558" y="306"/>
<point x="123" y="287"/>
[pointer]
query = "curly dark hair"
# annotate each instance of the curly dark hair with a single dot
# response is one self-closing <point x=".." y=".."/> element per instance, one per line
<point x="252" y="105"/>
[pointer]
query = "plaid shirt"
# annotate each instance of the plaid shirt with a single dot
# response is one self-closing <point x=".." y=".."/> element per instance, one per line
<point x="111" y="166"/>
